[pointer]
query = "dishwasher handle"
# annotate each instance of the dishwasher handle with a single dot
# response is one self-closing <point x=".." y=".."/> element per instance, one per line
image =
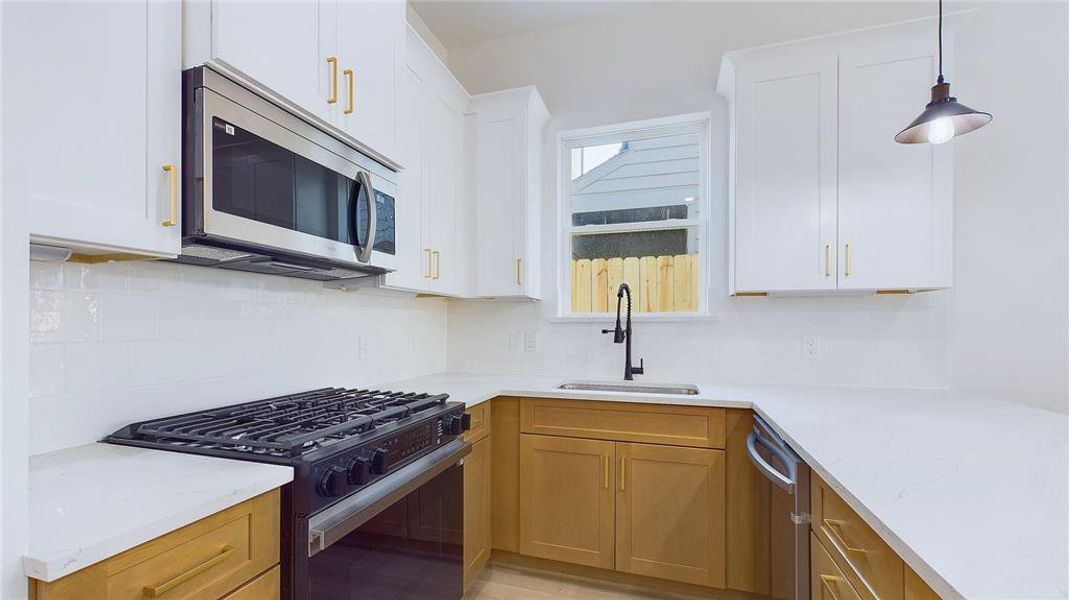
<point x="786" y="482"/>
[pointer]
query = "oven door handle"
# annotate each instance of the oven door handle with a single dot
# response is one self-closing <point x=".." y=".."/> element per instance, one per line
<point x="338" y="521"/>
<point x="364" y="255"/>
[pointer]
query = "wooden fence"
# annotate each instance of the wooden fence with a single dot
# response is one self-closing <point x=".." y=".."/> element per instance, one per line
<point x="658" y="283"/>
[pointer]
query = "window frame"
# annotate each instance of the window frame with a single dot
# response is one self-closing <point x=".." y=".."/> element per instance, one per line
<point x="692" y="123"/>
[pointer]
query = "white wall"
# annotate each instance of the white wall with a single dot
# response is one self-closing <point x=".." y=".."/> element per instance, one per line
<point x="115" y="343"/>
<point x="664" y="60"/>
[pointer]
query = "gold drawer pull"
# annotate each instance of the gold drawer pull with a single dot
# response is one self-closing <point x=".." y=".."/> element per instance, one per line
<point x="849" y="260"/>
<point x="827" y="260"/>
<point x="437" y="264"/>
<point x="333" y="62"/>
<point x="172" y="170"/>
<point x="832" y="526"/>
<point x="163" y="588"/>
<point x="830" y="581"/>
<point x="623" y="473"/>
<point x="430" y="263"/>
<point x="519" y="271"/>
<point x="605" y="460"/>
<point x="348" y="73"/>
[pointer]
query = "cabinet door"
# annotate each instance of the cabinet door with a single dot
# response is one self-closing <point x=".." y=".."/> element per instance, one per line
<point x="92" y="139"/>
<point x="670" y="512"/>
<point x="277" y="44"/>
<point x="441" y="201"/>
<point x="500" y="158"/>
<point x="476" y="510"/>
<point x="413" y="271"/>
<point x="785" y="187"/>
<point x="895" y="200"/>
<point x="370" y="42"/>
<point x="566" y="499"/>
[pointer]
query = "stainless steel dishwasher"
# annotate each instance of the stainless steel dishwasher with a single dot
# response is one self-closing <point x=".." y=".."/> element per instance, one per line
<point x="789" y="528"/>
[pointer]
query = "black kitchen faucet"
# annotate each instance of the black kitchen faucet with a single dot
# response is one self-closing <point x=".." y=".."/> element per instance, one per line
<point x="620" y="335"/>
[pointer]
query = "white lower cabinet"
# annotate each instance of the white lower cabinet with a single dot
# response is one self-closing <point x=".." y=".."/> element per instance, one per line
<point x="823" y="200"/>
<point x="96" y="90"/>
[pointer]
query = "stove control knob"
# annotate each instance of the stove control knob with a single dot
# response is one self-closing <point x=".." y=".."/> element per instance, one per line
<point x="458" y="425"/>
<point x="333" y="482"/>
<point x="378" y="461"/>
<point x="359" y="471"/>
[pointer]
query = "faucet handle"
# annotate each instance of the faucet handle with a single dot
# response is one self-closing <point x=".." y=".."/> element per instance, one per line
<point x="640" y="369"/>
<point x="608" y="330"/>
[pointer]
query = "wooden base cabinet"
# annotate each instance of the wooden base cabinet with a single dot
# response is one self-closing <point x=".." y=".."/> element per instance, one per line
<point x="566" y="499"/>
<point x="645" y="509"/>
<point x="670" y="513"/>
<point x="229" y="555"/>
<point x="476" y="510"/>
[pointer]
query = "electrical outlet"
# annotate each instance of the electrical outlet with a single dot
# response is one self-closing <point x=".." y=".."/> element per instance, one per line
<point x="515" y="342"/>
<point x="364" y="346"/>
<point x="530" y="341"/>
<point x="811" y="347"/>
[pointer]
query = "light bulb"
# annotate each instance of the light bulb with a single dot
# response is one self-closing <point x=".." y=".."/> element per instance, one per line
<point x="941" y="130"/>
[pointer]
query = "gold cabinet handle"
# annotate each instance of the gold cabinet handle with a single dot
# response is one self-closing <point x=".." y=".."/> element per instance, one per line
<point x="832" y="527"/>
<point x="827" y="260"/>
<point x="437" y="264"/>
<point x="172" y="170"/>
<point x="849" y="261"/>
<point x="605" y="463"/>
<point x="333" y="62"/>
<point x="163" y="588"/>
<point x="429" y="263"/>
<point x="830" y="581"/>
<point x="519" y="271"/>
<point x="348" y="73"/>
<point x="623" y="473"/>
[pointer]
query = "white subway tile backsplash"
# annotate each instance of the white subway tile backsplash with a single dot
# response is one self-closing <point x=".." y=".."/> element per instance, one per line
<point x="119" y="342"/>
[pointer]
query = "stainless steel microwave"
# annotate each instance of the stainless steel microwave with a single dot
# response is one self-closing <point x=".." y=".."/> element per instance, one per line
<point x="267" y="191"/>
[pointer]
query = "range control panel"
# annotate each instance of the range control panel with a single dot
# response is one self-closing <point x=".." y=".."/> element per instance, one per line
<point x="353" y="469"/>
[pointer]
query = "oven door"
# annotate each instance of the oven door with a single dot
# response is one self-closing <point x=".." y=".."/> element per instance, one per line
<point x="265" y="183"/>
<point x="399" y="539"/>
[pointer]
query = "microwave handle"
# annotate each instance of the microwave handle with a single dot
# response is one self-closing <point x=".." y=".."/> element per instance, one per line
<point x="365" y="180"/>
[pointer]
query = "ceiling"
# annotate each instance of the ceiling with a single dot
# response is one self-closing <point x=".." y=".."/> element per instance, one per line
<point x="459" y="23"/>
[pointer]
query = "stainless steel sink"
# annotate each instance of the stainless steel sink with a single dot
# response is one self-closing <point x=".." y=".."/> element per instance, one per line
<point x="678" y="390"/>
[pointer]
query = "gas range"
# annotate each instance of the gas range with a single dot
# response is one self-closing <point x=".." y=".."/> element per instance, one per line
<point x="353" y="451"/>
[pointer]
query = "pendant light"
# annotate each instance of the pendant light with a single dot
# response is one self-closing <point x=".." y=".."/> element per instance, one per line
<point x="943" y="118"/>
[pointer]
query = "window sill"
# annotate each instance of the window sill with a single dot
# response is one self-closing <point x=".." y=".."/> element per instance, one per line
<point x="640" y="317"/>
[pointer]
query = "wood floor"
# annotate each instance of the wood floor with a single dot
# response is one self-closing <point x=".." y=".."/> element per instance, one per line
<point x="505" y="582"/>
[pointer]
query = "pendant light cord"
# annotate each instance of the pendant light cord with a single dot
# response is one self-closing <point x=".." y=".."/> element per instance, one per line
<point x="940" y="41"/>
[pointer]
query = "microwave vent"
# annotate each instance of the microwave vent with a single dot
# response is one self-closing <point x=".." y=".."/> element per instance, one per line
<point x="213" y="253"/>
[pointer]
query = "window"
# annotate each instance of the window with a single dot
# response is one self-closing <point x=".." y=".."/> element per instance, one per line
<point x="634" y="209"/>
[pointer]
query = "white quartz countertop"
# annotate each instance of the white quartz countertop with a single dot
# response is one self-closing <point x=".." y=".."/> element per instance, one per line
<point x="973" y="493"/>
<point x="91" y="502"/>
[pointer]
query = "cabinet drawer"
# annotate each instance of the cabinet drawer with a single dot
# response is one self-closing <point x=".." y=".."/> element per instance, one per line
<point x="264" y="587"/>
<point x="480" y="422"/>
<point x="626" y="422"/>
<point x="827" y="581"/>
<point x="873" y="568"/>
<point x="207" y="559"/>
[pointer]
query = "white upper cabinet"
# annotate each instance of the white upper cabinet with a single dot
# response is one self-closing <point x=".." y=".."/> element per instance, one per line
<point x="822" y="199"/>
<point x="509" y="127"/>
<point x="785" y="182"/>
<point x="895" y="208"/>
<point x="336" y="61"/>
<point x="97" y="91"/>
<point x="433" y="189"/>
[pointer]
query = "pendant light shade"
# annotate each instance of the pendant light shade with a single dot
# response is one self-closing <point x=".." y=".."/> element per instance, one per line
<point x="943" y="118"/>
